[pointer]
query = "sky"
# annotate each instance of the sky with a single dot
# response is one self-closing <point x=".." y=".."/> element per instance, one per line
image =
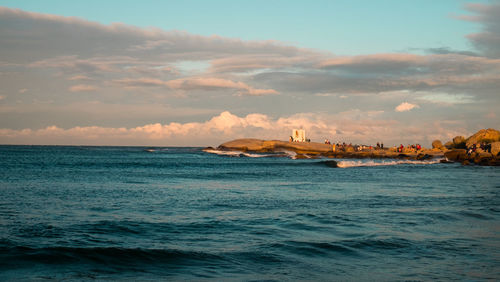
<point x="199" y="73"/>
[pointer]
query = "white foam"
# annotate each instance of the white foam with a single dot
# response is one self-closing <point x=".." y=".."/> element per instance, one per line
<point x="290" y="154"/>
<point x="236" y="153"/>
<point x="155" y="150"/>
<point x="358" y="163"/>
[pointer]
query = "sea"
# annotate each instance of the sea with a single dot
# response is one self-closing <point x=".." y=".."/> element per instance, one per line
<point x="78" y="213"/>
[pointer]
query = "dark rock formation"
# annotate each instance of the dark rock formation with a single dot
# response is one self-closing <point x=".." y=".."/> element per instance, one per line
<point x="457" y="155"/>
<point x="459" y="142"/>
<point x="422" y="157"/>
<point x="449" y="145"/>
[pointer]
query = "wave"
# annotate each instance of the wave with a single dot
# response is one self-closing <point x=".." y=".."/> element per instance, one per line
<point x="361" y="163"/>
<point x="244" y="154"/>
<point x="153" y="150"/>
<point x="120" y="256"/>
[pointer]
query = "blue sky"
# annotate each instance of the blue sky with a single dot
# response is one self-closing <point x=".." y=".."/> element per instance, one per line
<point x="199" y="73"/>
<point x="346" y="27"/>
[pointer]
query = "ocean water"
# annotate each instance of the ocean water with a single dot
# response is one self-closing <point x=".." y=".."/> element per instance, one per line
<point x="137" y="213"/>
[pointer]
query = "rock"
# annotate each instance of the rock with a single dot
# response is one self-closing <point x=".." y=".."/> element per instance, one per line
<point x="482" y="158"/>
<point x="466" y="162"/>
<point x="311" y="150"/>
<point x="436" y="144"/>
<point x="257" y="145"/>
<point x="301" y="157"/>
<point x="445" y="161"/>
<point x="459" y="142"/>
<point x="422" y="157"/>
<point x="494" y="161"/>
<point x="456" y="155"/>
<point x="449" y="145"/>
<point x="495" y="148"/>
<point x="484" y="135"/>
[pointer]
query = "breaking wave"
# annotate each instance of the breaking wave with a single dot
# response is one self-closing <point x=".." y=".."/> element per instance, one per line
<point x="249" y="155"/>
<point x="359" y="163"/>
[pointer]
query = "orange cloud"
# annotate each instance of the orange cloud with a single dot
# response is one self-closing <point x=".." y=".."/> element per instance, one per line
<point x="405" y="106"/>
<point x="82" y="88"/>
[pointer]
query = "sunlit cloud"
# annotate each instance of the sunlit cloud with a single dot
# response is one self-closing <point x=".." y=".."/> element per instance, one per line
<point x="82" y="88"/>
<point x="405" y="107"/>
<point x="367" y="127"/>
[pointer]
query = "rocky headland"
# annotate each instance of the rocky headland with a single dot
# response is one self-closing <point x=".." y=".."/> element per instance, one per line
<point x="457" y="150"/>
<point x="316" y="150"/>
<point x="482" y="148"/>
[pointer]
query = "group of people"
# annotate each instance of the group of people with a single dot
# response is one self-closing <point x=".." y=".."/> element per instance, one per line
<point x="411" y="148"/>
<point x="483" y="146"/>
<point x="338" y="147"/>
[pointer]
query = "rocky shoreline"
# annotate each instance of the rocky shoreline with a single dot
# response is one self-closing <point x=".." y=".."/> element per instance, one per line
<point x="453" y="151"/>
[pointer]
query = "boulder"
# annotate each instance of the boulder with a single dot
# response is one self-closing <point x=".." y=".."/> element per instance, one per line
<point x="449" y="145"/>
<point x="459" y="142"/>
<point x="456" y="155"/>
<point x="495" y="148"/>
<point x="482" y="158"/>
<point x="484" y="135"/>
<point x="436" y="144"/>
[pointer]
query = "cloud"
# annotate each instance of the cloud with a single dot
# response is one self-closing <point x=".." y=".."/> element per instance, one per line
<point x="82" y="88"/>
<point x="445" y="98"/>
<point x="79" y="77"/>
<point x="60" y="39"/>
<point x="142" y="74"/>
<point x="366" y="127"/>
<point x="198" y="83"/>
<point x="491" y="115"/>
<point x="405" y="106"/>
<point x="447" y="50"/>
<point x="119" y="52"/>
<point x="488" y="40"/>
<point x="375" y="61"/>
